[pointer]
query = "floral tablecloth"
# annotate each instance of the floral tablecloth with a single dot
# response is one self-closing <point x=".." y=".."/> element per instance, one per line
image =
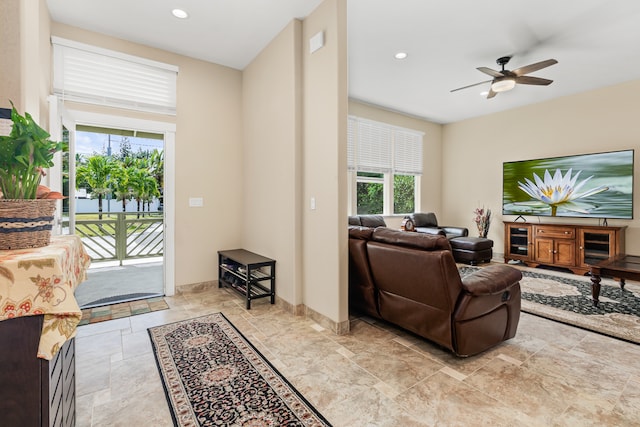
<point x="42" y="281"/>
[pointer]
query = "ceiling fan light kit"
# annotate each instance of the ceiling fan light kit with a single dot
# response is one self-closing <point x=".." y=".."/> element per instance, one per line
<point x="505" y="80"/>
<point x="180" y="14"/>
<point x="503" y="85"/>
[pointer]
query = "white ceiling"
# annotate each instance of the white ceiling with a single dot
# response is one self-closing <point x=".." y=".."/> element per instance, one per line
<point x="596" y="43"/>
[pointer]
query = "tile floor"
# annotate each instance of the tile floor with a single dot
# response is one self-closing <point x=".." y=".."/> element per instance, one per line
<point x="550" y="374"/>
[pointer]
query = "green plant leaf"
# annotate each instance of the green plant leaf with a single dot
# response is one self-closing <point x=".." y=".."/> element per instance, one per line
<point x="26" y="149"/>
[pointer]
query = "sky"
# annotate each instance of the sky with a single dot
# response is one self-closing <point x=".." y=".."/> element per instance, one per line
<point x="88" y="143"/>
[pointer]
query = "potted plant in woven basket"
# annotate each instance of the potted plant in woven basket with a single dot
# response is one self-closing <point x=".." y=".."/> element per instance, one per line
<point x="26" y="207"/>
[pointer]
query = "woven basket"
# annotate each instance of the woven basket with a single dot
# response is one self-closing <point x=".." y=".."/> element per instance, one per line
<point x="26" y="223"/>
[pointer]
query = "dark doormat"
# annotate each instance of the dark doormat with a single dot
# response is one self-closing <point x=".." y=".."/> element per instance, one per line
<point x="115" y="299"/>
<point x="123" y="309"/>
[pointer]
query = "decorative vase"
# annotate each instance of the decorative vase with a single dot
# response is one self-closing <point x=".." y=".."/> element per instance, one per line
<point x="26" y="223"/>
<point x="483" y="230"/>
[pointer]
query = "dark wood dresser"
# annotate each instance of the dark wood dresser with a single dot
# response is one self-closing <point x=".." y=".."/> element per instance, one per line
<point x="38" y="319"/>
<point x="33" y="391"/>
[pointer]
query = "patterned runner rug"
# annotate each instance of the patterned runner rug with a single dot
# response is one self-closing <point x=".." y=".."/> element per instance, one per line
<point x="567" y="298"/>
<point x="213" y="376"/>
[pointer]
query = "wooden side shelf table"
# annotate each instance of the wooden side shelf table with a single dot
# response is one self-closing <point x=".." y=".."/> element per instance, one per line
<point x="245" y="272"/>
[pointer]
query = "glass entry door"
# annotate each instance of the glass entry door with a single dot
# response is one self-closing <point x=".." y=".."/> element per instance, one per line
<point x="113" y="182"/>
<point x="119" y="213"/>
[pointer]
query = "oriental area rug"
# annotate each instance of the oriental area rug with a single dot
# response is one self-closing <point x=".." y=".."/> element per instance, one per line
<point x="213" y="376"/>
<point x="566" y="298"/>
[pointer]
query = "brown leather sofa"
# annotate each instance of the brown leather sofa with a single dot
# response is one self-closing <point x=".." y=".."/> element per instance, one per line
<point x="411" y="280"/>
<point x="428" y="223"/>
<point x="367" y="220"/>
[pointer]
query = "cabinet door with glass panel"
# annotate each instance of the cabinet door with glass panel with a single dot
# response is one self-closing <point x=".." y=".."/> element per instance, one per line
<point x="517" y="242"/>
<point x="598" y="244"/>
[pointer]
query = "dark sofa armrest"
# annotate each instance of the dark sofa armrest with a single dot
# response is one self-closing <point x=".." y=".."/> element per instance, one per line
<point x="496" y="287"/>
<point x="491" y="280"/>
<point x="455" y="231"/>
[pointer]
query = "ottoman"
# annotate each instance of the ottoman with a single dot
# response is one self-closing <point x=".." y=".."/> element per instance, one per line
<point x="471" y="250"/>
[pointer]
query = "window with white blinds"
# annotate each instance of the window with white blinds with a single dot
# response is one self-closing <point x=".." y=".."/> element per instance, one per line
<point x="93" y="75"/>
<point x="382" y="148"/>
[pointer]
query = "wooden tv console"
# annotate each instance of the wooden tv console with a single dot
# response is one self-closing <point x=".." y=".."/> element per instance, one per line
<point x="570" y="246"/>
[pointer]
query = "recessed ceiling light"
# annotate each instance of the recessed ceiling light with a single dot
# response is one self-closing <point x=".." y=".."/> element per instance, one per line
<point x="179" y="13"/>
<point x="401" y="55"/>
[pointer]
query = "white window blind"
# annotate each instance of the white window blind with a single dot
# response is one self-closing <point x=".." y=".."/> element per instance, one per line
<point x="407" y="154"/>
<point x="381" y="148"/>
<point x="89" y="74"/>
<point x="374" y="148"/>
<point x="351" y="143"/>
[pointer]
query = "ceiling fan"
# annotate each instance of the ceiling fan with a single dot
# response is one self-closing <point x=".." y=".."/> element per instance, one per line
<point x="505" y="80"/>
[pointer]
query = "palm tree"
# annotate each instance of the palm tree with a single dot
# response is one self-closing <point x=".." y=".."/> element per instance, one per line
<point x="156" y="167"/>
<point x="142" y="184"/>
<point x="96" y="173"/>
<point x="151" y="193"/>
<point x="120" y="184"/>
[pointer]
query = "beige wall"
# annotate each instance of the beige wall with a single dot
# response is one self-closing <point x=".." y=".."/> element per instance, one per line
<point x="239" y="144"/>
<point x="41" y="62"/>
<point x="431" y="182"/>
<point x="10" y="54"/>
<point x="474" y="150"/>
<point x="208" y="160"/>
<point x="25" y="57"/>
<point x="34" y="48"/>
<point x="325" y="255"/>
<point x="272" y="144"/>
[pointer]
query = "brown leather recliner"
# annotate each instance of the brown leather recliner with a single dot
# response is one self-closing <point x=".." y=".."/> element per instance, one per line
<point x="411" y="280"/>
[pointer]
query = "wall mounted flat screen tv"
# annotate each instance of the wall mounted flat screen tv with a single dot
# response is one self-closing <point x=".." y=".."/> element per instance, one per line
<point x="596" y="185"/>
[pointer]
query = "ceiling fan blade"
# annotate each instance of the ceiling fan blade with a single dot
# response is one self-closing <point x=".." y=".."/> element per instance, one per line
<point x="533" y="67"/>
<point x="475" y="84"/>
<point x="491" y="72"/>
<point x="491" y="94"/>
<point x="529" y="80"/>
